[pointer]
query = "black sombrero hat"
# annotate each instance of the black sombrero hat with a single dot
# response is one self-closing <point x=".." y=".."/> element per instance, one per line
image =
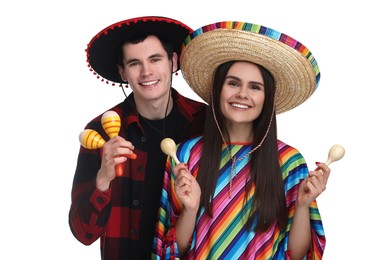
<point x="101" y="50"/>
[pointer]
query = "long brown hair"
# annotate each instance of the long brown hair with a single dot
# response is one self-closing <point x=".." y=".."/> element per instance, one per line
<point x="269" y="202"/>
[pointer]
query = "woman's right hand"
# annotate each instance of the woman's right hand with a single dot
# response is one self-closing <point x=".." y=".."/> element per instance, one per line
<point x="187" y="188"/>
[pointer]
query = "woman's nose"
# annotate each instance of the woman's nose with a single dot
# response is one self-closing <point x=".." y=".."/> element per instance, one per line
<point x="242" y="92"/>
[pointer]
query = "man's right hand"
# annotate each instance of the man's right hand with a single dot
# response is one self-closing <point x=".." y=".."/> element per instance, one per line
<point x="115" y="152"/>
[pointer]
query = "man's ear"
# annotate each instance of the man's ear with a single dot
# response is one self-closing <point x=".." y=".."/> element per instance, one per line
<point x="175" y="60"/>
<point x="122" y="73"/>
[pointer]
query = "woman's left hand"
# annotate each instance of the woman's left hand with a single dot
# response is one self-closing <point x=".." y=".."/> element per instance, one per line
<point x="313" y="185"/>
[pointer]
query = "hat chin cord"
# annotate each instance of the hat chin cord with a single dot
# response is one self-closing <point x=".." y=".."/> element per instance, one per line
<point x="234" y="158"/>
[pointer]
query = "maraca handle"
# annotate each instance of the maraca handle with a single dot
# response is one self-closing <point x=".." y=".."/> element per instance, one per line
<point x="174" y="157"/>
<point x="119" y="169"/>
<point x="328" y="162"/>
<point x="119" y="166"/>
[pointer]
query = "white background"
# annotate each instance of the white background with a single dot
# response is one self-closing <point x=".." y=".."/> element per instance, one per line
<point x="48" y="95"/>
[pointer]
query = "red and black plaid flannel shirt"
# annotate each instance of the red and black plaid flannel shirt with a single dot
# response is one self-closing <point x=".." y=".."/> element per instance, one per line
<point x="124" y="217"/>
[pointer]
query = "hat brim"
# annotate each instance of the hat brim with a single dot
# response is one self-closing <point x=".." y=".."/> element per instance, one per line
<point x="101" y="51"/>
<point x="292" y="65"/>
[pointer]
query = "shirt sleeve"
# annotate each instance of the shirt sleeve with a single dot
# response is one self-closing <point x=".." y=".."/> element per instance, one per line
<point x="90" y="207"/>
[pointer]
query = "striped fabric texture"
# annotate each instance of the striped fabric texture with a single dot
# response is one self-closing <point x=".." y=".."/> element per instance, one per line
<point x="225" y="236"/>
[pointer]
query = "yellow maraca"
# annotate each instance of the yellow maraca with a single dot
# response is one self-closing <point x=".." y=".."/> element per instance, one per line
<point x="111" y="123"/>
<point x="91" y="139"/>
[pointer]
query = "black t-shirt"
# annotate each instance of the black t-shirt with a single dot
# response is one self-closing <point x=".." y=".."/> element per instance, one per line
<point x="150" y="190"/>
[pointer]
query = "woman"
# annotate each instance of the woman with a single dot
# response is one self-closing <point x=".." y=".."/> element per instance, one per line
<point x="240" y="193"/>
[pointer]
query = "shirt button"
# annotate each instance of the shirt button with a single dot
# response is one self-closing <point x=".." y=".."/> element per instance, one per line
<point x="133" y="232"/>
<point x="140" y="169"/>
<point x="144" y="139"/>
<point x="99" y="200"/>
<point x="135" y="202"/>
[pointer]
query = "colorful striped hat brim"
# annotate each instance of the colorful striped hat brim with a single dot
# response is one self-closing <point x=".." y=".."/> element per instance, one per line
<point x="293" y="66"/>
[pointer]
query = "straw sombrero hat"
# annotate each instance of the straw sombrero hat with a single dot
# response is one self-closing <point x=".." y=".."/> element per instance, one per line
<point x="292" y="65"/>
<point x="101" y="50"/>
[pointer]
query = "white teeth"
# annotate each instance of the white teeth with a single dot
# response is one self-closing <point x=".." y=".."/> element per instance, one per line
<point x="149" y="83"/>
<point x="239" y="105"/>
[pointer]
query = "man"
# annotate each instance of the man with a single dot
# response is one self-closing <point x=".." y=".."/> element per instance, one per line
<point x="141" y="53"/>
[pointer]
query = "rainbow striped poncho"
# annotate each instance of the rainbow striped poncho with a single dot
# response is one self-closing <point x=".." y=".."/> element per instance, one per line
<point x="223" y="236"/>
